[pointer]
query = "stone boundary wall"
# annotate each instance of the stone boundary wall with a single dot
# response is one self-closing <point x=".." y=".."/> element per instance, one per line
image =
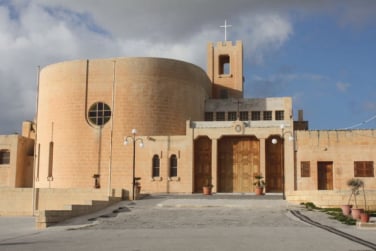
<point x="19" y="201"/>
<point x="327" y="199"/>
<point x="16" y="201"/>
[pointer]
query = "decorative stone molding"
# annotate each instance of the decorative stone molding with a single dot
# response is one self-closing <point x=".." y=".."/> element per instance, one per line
<point x="173" y="178"/>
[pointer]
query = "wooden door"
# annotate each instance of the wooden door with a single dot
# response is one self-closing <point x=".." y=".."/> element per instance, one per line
<point x="202" y="162"/>
<point x="238" y="160"/>
<point x="325" y="175"/>
<point x="274" y="165"/>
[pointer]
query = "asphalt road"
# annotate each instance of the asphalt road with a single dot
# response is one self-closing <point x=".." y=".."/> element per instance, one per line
<point x="186" y="223"/>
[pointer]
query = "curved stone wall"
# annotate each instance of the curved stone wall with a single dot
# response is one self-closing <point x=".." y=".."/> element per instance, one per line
<point x="157" y="96"/>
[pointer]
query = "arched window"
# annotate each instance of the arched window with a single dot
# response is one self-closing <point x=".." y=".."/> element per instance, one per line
<point x="4" y="157"/>
<point x="155" y="171"/>
<point x="173" y="166"/>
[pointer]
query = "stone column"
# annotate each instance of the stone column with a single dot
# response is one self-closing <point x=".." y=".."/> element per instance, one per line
<point x="214" y="163"/>
<point x="262" y="156"/>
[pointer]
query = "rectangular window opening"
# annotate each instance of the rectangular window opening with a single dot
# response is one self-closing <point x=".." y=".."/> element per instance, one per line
<point x="267" y="115"/>
<point x="209" y="116"/>
<point x="243" y="116"/>
<point x="363" y="169"/>
<point x="231" y="116"/>
<point x="220" y="116"/>
<point x="4" y="157"/>
<point x="279" y="115"/>
<point x="224" y="64"/>
<point x="255" y="115"/>
<point x="305" y="169"/>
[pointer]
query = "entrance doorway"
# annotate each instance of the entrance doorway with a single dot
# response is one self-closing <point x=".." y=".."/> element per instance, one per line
<point x="238" y="161"/>
<point x="273" y="165"/>
<point x="202" y="162"/>
<point x="325" y="175"/>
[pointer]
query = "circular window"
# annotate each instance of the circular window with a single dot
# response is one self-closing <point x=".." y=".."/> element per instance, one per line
<point x="99" y="113"/>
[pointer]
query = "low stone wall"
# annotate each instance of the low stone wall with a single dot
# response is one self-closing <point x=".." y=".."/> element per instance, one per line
<point x="325" y="198"/>
<point x="47" y="218"/>
<point x="52" y="205"/>
<point x="16" y="201"/>
<point x="57" y="199"/>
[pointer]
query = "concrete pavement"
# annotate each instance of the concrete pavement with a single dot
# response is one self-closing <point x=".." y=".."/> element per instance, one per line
<point x="193" y="222"/>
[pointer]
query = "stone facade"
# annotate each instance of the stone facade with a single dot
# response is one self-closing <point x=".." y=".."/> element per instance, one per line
<point x="194" y="126"/>
<point x="18" y="171"/>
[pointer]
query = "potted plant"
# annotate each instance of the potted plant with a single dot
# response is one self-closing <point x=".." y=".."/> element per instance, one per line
<point x="355" y="185"/>
<point x="137" y="185"/>
<point x="364" y="216"/>
<point x="259" y="184"/>
<point x="207" y="188"/>
<point x="96" y="181"/>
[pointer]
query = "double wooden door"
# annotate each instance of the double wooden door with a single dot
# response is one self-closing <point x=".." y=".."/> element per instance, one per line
<point x="238" y="162"/>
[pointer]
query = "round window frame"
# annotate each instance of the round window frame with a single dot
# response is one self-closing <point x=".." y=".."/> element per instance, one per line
<point x="99" y="114"/>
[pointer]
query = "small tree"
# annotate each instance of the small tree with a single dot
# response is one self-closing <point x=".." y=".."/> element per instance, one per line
<point x="355" y="185"/>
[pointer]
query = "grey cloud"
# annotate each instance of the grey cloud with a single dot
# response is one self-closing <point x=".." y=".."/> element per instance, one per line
<point x="41" y="32"/>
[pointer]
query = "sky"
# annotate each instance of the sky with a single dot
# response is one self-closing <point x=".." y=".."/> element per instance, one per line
<point x="320" y="53"/>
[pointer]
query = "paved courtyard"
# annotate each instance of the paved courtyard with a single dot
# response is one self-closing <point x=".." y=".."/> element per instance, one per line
<point x="220" y="222"/>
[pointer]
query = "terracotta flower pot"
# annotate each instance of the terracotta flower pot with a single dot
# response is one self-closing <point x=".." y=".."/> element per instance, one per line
<point x="259" y="191"/>
<point x="207" y="190"/>
<point x="355" y="213"/>
<point x="364" y="217"/>
<point x="346" y="209"/>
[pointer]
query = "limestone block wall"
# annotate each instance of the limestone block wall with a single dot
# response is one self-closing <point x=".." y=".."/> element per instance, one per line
<point x="18" y="173"/>
<point x="164" y="147"/>
<point x="155" y="96"/>
<point x="16" y="201"/>
<point x="254" y="104"/>
<point x="328" y="199"/>
<point x="232" y="81"/>
<point x="340" y="147"/>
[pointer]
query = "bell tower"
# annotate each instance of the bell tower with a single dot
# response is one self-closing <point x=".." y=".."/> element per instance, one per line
<point x="225" y="69"/>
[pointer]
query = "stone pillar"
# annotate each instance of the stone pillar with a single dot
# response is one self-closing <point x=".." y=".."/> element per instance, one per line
<point x="262" y="156"/>
<point x="214" y="158"/>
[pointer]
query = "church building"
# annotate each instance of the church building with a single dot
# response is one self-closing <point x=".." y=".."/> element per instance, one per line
<point x="168" y="126"/>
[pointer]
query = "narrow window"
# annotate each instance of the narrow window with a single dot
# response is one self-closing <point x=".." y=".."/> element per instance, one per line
<point x="50" y="160"/>
<point x="231" y="116"/>
<point x="156" y="169"/>
<point x="208" y="116"/>
<point x="279" y="115"/>
<point x="4" y="157"/>
<point x="363" y="169"/>
<point x="243" y="116"/>
<point x="224" y="65"/>
<point x="220" y="116"/>
<point x="267" y="115"/>
<point x="255" y="115"/>
<point x="173" y="166"/>
<point x="305" y="169"/>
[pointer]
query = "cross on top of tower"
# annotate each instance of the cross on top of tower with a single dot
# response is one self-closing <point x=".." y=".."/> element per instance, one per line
<point x="225" y="26"/>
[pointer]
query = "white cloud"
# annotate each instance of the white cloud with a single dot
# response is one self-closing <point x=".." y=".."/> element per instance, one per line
<point x="263" y="34"/>
<point x="41" y="32"/>
<point x="342" y="87"/>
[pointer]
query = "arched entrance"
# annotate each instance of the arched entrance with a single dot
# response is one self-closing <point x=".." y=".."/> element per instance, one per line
<point x="238" y="162"/>
<point x="202" y="162"/>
